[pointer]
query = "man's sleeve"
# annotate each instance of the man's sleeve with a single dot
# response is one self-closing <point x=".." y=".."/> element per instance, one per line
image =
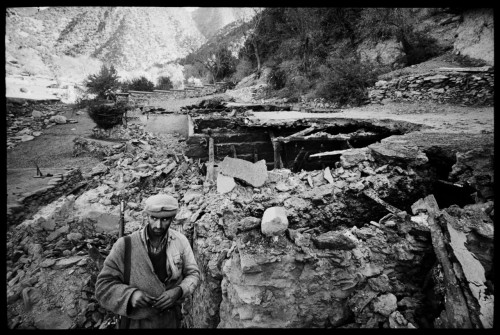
<point x="110" y="291"/>
<point x="190" y="272"/>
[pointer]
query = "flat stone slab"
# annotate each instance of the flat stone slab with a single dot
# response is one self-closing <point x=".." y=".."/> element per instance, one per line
<point x="225" y="184"/>
<point x="67" y="262"/>
<point x="254" y="174"/>
<point x="105" y="222"/>
<point x="399" y="152"/>
<point x="354" y="157"/>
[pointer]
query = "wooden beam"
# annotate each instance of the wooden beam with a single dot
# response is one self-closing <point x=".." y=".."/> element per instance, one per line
<point x="370" y="193"/>
<point x="190" y="126"/>
<point x="456" y="313"/>
<point x="332" y="138"/>
<point x="233" y="149"/>
<point x="330" y="153"/>
<point x="276" y="148"/>
<point x="211" y="161"/>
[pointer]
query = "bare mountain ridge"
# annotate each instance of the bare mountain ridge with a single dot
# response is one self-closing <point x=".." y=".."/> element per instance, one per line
<point x="130" y="38"/>
<point x="211" y="20"/>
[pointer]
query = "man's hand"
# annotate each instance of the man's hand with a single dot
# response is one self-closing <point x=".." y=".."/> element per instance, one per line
<point x="141" y="299"/>
<point x="167" y="298"/>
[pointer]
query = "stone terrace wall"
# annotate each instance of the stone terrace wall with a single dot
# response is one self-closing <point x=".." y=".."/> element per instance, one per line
<point x="469" y="88"/>
<point x="158" y="96"/>
<point x="61" y="184"/>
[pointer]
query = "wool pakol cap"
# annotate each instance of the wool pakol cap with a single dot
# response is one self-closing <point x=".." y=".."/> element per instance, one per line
<point x="161" y="206"/>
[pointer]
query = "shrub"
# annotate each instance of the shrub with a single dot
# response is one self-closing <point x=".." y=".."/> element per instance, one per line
<point x="138" y="84"/>
<point x="107" y="116"/>
<point x="345" y="81"/>
<point x="420" y="48"/>
<point x="164" y="83"/>
<point x="277" y="78"/>
<point x="106" y="80"/>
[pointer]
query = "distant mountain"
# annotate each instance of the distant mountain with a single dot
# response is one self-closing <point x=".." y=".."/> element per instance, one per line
<point x="209" y="20"/>
<point x="130" y="38"/>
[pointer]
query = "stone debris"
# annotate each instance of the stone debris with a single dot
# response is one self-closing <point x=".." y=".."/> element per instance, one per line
<point x="321" y="255"/>
<point x="225" y="184"/>
<point x="328" y="175"/>
<point x="457" y="85"/>
<point x="274" y="221"/>
<point x="338" y="240"/>
<point x="58" y="119"/>
<point x="385" y="304"/>
<point x="255" y="174"/>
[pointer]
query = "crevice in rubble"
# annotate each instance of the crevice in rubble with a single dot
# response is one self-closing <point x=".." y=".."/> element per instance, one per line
<point x="446" y="192"/>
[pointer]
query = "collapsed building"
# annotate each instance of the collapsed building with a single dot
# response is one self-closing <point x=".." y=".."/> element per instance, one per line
<point x="295" y="219"/>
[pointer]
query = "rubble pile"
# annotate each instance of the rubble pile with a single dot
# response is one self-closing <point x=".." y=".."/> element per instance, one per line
<point x="318" y="269"/>
<point x="27" y="120"/>
<point x="469" y="87"/>
<point x="347" y="246"/>
<point x="55" y="255"/>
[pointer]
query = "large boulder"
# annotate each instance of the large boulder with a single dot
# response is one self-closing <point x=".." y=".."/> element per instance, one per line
<point x="58" y="119"/>
<point x="274" y="221"/>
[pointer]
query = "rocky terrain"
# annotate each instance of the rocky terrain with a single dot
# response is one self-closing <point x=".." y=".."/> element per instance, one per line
<point x="320" y="239"/>
<point x="398" y="233"/>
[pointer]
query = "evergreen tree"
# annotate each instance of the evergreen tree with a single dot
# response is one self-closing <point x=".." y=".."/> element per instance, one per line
<point x="103" y="82"/>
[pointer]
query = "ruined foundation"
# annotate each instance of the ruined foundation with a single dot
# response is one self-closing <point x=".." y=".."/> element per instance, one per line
<point x="355" y="254"/>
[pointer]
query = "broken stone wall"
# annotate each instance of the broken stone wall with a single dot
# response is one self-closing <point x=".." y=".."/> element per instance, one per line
<point x="29" y="202"/>
<point x="444" y="87"/>
<point x="159" y="96"/>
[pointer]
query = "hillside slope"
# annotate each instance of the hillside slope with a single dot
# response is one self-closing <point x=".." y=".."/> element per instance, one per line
<point x="209" y="20"/>
<point x="127" y="37"/>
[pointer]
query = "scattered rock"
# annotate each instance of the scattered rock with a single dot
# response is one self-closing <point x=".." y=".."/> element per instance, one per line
<point x="53" y="319"/>
<point x="60" y="119"/>
<point x="274" y="221"/>
<point x="26" y="138"/>
<point x="385" y="304"/>
<point x="36" y="114"/>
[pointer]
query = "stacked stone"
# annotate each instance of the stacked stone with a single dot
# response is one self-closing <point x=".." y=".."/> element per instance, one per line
<point x="60" y="184"/>
<point x="26" y="122"/>
<point x="452" y="87"/>
<point x="52" y="263"/>
<point x="159" y="96"/>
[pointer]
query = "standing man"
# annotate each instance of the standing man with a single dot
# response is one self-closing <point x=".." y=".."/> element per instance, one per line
<point x="163" y="270"/>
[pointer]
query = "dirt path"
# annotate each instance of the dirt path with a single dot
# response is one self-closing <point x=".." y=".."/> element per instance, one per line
<point x="436" y="117"/>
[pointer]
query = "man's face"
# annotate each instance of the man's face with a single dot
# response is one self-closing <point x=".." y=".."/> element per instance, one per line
<point x="158" y="227"/>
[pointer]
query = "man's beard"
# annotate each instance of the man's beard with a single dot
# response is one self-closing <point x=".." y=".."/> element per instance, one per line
<point x="158" y="232"/>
